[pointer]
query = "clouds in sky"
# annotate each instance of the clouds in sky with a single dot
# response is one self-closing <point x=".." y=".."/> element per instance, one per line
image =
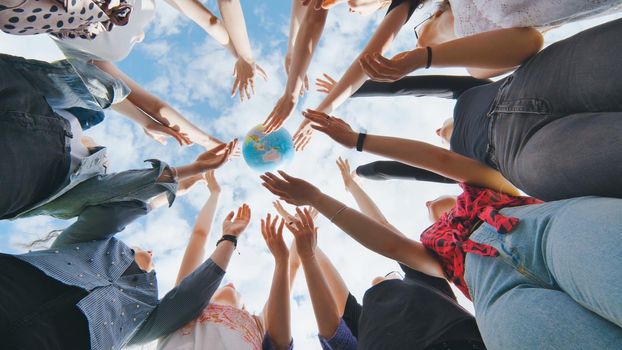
<point x="195" y="77"/>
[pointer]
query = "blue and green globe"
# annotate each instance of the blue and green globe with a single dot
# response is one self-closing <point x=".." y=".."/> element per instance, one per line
<point x="267" y="152"/>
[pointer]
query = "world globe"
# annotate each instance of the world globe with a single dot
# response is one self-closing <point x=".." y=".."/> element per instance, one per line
<point x="267" y="152"/>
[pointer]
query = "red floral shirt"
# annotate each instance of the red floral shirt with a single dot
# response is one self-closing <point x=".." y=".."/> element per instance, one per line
<point x="449" y="236"/>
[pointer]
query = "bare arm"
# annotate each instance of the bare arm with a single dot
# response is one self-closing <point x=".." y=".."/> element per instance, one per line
<point x="365" y="230"/>
<point x="354" y="77"/>
<point x="363" y="200"/>
<point x="233" y="19"/>
<point x="378" y="237"/>
<point x="277" y="309"/>
<point x="158" y="109"/>
<point x="203" y="17"/>
<point x="296" y="19"/>
<point x="151" y="127"/>
<point x="486" y="53"/>
<point x="415" y="153"/>
<point x="305" y="43"/>
<point x="195" y="250"/>
<point x="327" y="313"/>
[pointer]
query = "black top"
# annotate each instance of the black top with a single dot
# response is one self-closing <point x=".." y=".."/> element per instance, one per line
<point x="470" y="135"/>
<point x="412" y="313"/>
<point x="388" y="169"/>
<point x="443" y="86"/>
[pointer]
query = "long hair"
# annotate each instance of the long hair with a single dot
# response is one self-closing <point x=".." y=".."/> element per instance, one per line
<point x="43" y="242"/>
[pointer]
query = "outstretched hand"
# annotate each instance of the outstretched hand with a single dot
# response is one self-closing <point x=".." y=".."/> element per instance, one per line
<point x="335" y="128"/>
<point x="281" y="111"/>
<point x="289" y="217"/>
<point x="244" y="73"/>
<point x="325" y="85"/>
<point x="215" y="157"/>
<point x="273" y="236"/>
<point x="290" y="189"/>
<point x="381" y="69"/>
<point x="210" y="179"/>
<point x="303" y="135"/>
<point x="347" y="175"/>
<point x="235" y="226"/>
<point x="305" y="234"/>
<point x="160" y="132"/>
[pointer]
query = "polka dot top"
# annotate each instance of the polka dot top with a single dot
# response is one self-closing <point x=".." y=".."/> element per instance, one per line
<point x="63" y="18"/>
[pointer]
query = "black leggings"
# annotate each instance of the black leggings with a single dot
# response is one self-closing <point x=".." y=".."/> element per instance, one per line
<point x="385" y="170"/>
<point x="557" y="131"/>
<point x="38" y="312"/>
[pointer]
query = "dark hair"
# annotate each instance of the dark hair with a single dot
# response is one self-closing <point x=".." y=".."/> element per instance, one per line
<point x="42" y="243"/>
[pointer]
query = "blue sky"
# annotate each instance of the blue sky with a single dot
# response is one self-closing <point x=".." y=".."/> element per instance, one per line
<point x="182" y="65"/>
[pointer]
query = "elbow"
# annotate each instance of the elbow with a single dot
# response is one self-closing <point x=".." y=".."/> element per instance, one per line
<point x="200" y="233"/>
<point x="531" y="43"/>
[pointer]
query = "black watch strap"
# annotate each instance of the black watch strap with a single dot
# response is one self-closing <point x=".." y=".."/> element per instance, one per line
<point x="360" y="141"/>
<point x="231" y="238"/>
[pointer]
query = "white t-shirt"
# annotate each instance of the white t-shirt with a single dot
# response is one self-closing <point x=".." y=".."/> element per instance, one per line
<point x="478" y="16"/>
<point x="116" y="44"/>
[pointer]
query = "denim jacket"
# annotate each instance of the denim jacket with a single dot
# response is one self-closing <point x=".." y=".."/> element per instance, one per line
<point x="89" y="185"/>
<point x="71" y="84"/>
<point x="120" y="309"/>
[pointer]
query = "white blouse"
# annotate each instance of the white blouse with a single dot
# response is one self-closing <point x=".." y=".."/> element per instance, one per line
<point x="116" y="44"/>
<point x="478" y="16"/>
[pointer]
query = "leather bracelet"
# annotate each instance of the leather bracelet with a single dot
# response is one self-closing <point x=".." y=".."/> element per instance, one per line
<point x="429" y="59"/>
<point x="360" y="141"/>
<point x="231" y="238"/>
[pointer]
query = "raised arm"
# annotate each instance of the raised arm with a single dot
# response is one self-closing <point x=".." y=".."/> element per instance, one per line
<point x="363" y="200"/>
<point x="327" y="313"/>
<point x="277" y="311"/>
<point x="152" y="128"/>
<point x="157" y="109"/>
<point x="202" y="16"/>
<point x="305" y="43"/>
<point x="184" y="302"/>
<point x="195" y="250"/>
<point x="101" y="222"/>
<point x="415" y="153"/>
<point x="485" y="54"/>
<point x="367" y="231"/>
<point x="354" y="77"/>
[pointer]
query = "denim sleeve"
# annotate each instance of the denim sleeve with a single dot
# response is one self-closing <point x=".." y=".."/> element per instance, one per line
<point x="267" y="344"/>
<point x="130" y="185"/>
<point x="341" y="340"/>
<point x="182" y="304"/>
<point x="101" y="222"/>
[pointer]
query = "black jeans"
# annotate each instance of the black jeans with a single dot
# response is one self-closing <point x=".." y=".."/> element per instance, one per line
<point x="556" y="128"/>
<point x="38" y="312"/>
<point x="35" y="157"/>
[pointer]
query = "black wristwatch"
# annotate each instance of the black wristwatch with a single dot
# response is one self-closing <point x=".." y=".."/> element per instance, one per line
<point x="231" y="238"/>
<point x="360" y="141"/>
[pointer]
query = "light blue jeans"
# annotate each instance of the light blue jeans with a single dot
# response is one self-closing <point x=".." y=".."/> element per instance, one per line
<point x="557" y="283"/>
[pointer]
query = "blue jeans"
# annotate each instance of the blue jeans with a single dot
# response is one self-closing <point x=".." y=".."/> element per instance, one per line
<point x="556" y="283"/>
